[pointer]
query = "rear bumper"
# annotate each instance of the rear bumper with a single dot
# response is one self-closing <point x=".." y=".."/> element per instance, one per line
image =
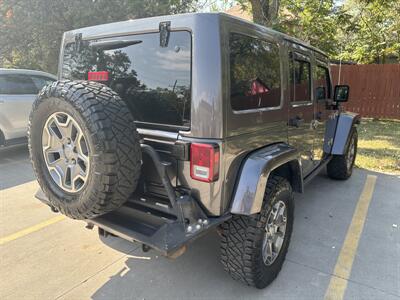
<point x="142" y="220"/>
<point x="166" y="236"/>
<point x="165" y="224"/>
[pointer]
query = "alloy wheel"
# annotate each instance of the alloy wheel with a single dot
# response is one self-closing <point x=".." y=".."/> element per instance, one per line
<point x="275" y="231"/>
<point x="66" y="152"/>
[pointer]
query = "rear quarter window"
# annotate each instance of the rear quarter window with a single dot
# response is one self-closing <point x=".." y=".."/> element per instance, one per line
<point x="255" y="73"/>
<point x="155" y="81"/>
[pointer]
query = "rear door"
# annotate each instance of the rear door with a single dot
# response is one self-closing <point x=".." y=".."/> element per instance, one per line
<point x="322" y="92"/>
<point x="17" y="93"/>
<point x="301" y="109"/>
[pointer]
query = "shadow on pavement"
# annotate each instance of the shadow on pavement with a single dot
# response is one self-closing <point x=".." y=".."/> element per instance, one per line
<point x="197" y="273"/>
<point x="15" y="167"/>
<point x="322" y="216"/>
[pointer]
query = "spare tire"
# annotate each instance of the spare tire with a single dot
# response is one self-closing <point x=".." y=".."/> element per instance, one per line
<point x="84" y="148"/>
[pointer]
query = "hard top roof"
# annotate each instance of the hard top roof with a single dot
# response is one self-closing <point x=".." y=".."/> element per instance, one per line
<point x="177" y="21"/>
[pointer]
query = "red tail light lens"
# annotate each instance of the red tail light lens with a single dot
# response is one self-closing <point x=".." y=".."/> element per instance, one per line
<point x="98" y="76"/>
<point x="204" y="162"/>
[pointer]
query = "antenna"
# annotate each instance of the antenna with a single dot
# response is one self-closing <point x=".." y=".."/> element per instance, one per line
<point x="340" y="63"/>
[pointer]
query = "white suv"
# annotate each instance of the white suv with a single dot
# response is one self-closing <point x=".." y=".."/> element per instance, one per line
<point x="18" y="90"/>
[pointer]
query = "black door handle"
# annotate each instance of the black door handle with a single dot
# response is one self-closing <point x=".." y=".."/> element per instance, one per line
<point x="318" y="116"/>
<point x="296" y="122"/>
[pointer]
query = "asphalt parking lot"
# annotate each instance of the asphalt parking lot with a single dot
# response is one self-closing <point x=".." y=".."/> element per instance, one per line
<point x="339" y="247"/>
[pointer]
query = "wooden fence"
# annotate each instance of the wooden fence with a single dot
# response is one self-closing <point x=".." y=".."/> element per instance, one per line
<point x="374" y="89"/>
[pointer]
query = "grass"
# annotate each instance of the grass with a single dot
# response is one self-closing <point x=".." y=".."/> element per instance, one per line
<point x="379" y="146"/>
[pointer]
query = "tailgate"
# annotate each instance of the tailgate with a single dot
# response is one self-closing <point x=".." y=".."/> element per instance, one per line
<point x="171" y="151"/>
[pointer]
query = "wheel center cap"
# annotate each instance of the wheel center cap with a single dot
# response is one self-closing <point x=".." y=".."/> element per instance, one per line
<point x="69" y="151"/>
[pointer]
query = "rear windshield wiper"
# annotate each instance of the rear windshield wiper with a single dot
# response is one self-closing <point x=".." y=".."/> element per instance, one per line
<point x="112" y="44"/>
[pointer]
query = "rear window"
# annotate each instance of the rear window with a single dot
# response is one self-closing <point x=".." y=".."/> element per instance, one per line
<point x="155" y="81"/>
<point x="322" y="83"/>
<point x="300" y="80"/>
<point x="17" y="85"/>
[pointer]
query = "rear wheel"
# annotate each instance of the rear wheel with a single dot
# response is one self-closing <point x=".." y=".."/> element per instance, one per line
<point x="341" y="166"/>
<point x="253" y="248"/>
<point x="84" y="148"/>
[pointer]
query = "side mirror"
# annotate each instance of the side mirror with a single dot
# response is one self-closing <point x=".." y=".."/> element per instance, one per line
<point x="341" y="93"/>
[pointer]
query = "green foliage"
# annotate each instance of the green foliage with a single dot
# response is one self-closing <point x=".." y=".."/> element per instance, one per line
<point x="31" y="30"/>
<point x="313" y="21"/>
<point x="371" y="31"/>
<point x="364" y="31"/>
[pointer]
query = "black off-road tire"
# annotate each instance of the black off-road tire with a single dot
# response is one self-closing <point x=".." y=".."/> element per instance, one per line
<point x="338" y="168"/>
<point x="113" y="142"/>
<point x="242" y="238"/>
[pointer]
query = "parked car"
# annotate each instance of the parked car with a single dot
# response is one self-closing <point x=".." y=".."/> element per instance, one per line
<point x="162" y="129"/>
<point x="18" y="90"/>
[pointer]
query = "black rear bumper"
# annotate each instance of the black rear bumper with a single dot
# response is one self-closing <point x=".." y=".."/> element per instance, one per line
<point x="133" y="223"/>
<point x="146" y="221"/>
<point x="164" y="224"/>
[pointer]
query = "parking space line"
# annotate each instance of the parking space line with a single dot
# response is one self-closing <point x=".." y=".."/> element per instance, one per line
<point x="338" y="283"/>
<point x="31" y="229"/>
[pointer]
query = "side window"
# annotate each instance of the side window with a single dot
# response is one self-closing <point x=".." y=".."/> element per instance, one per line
<point x="322" y="83"/>
<point x="300" y="80"/>
<point x="41" y="81"/>
<point x="255" y="73"/>
<point x="17" y="85"/>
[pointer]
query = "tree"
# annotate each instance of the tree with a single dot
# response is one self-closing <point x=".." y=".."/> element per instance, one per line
<point x="31" y="30"/>
<point x="313" y="21"/>
<point x="364" y="31"/>
<point x="371" y="31"/>
<point x="265" y="12"/>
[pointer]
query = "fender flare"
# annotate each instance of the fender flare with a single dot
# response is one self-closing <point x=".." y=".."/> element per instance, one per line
<point x="253" y="176"/>
<point x="345" y="122"/>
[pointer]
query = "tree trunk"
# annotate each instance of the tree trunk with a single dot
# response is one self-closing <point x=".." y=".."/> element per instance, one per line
<point x="265" y="12"/>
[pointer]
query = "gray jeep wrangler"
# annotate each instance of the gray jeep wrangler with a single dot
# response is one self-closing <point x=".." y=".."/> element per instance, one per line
<point x="162" y="129"/>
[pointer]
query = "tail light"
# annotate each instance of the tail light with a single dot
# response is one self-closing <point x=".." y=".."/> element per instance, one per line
<point x="204" y="162"/>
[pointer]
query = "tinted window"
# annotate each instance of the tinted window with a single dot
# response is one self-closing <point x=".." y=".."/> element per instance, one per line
<point x="41" y="81"/>
<point x="154" y="81"/>
<point x="255" y="73"/>
<point x="300" y="80"/>
<point x="322" y="83"/>
<point x="17" y="85"/>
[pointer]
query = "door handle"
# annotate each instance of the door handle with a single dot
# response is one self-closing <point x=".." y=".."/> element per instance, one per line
<point x="296" y="122"/>
<point x="318" y="116"/>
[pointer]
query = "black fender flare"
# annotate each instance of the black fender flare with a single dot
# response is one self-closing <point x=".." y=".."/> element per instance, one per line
<point x="345" y="123"/>
<point x="253" y="176"/>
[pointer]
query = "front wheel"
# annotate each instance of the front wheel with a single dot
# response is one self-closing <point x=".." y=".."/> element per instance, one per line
<point x="253" y="248"/>
<point x="341" y="166"/>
